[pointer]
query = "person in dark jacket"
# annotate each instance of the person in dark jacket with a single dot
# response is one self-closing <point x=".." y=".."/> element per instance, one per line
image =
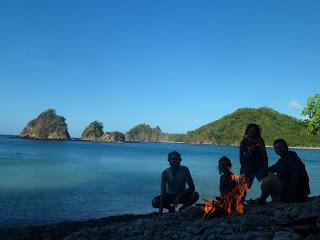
<point x="253" y="155"/>
<point x="291" y="182"/>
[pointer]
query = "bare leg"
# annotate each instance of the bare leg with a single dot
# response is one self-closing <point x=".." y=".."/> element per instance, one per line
<point x="189" y="199"/>
<point x="271" y="185"/>
<point x="167" y="203"/>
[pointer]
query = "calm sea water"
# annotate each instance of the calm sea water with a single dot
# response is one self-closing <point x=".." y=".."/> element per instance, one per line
<point x="51" y="181"/>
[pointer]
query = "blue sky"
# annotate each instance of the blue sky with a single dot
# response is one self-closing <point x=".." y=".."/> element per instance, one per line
<point x="176" y="64"/>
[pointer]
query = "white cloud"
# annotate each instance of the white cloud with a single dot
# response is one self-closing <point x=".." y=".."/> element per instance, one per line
<point x="295" y="105"/>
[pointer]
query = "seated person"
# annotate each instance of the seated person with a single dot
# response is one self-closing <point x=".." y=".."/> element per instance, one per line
<point x="227" y="182"/>
<point x="173" y="186"/>
<point x="291" y="182"/>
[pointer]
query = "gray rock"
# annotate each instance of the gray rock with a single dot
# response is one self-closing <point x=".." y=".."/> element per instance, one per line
<point x="211" y="237"/>
<point x="277" y="213"/>
<point x="251" y="235"/>
<point x="140" y="222"/>
<point x="284" y="235"/>
<point x="198" y="230"/>
<point x="234" y="237"/>
<point x="312" y="237"/>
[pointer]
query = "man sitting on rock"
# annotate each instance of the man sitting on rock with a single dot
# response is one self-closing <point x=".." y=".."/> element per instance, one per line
<point x="291" y="184"/>
<point x="173" y="186"/>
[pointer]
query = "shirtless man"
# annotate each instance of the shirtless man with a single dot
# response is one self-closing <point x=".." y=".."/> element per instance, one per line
<point x="173" y="186"/>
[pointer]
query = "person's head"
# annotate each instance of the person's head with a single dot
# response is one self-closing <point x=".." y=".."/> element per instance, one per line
<point x="280" y="147"/>
<point x="224" y="164"/>
<point x="253" y="131"/>
<point x="174" y="159"/>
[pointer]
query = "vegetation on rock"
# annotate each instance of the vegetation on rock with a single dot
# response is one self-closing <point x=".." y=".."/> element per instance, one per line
<point x="144" y="132"/>
<point x="228" y="130"/>
<point x="93" y="132"/>
<point x="112" y="137"/>
<point x="48" y="125"/>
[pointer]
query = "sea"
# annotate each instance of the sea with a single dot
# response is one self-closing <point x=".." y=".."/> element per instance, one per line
<point x="45" y="182"/>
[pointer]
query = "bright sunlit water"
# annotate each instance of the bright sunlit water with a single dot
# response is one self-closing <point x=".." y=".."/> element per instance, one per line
<point x="52" y="181"/>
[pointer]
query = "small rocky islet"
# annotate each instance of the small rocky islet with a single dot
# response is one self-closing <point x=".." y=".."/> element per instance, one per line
<point x="277" y="221"/>
<point x="94" y="132"/>
<point x="48" y="125"/>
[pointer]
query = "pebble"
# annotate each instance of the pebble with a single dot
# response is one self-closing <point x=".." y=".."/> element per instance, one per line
<point x="312" y="237"/>
<point x="257" y="223"/>
<point x="284" y="235"/>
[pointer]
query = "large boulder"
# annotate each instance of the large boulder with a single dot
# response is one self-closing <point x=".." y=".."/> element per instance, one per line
<point x="112" y="137"/>
<point x="48" y="125"/>
<point x="93" y="132"/>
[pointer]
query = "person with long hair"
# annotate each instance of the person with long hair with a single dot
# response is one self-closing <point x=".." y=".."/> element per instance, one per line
<point x="227" y="182"/>
<point x="253" y="154"/>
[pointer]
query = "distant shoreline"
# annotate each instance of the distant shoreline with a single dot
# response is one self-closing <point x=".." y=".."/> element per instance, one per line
<point x="79" y="140"/>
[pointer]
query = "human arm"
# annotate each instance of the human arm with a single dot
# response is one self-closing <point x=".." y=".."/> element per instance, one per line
<point x="264" y="154"/>
<point x="241" y="153"/>
<point x="162" y="191"/>
<point x="273" y="168"/>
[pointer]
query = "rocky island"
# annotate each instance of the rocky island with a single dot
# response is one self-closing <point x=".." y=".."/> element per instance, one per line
<point x="274" y="221"/>
<point x="227" y="130"/>
<point x="144" y="133"/>
<point x="94" y="132"/>
<point x="113" y="137"/>
<point x="48" y="125"/>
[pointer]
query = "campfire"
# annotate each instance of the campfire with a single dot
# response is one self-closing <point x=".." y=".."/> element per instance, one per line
<point x="230" y="201"/>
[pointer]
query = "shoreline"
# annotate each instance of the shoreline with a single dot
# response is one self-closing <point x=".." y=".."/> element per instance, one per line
<point x="272" y="221"/>
<point x="169" y="142"/>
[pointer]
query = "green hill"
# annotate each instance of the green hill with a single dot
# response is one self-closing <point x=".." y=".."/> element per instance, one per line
<point x="230" y="128"/>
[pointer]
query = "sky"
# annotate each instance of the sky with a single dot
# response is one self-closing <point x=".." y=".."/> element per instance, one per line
<point x="173" y="64"/>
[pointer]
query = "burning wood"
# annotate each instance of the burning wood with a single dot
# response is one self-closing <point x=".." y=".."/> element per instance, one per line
<point x="230" y="201"/>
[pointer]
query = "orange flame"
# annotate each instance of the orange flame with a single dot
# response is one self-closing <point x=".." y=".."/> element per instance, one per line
<point x="231" y="201"/>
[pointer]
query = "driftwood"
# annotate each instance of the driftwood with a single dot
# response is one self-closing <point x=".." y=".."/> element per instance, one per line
<point x="220" y="207"/>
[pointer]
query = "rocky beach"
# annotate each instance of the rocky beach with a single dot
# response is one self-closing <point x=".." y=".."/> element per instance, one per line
<point x="278" y="221"/>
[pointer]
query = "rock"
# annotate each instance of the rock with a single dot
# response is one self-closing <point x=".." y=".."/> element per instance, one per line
<point x="144" y="132"/>
<point x="284" y="235"/>
<point x="198" y="230"/>
<point x="48" y="125"/>
<point x="211" y="237"/>
<point x="312" y="237"/>
<point x="93" y="132"/>
<point x="277" y="213"/>
<point x="112" y="137"/>
<point x="251" y="235"/>
<point x="184" y="225"/>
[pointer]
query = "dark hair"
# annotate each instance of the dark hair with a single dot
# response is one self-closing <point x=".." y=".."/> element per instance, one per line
<point x="281" y="141"/>
<point x="227" y="160"/>
<point x="174" y="153"/>
<point x="256" y="127"/>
